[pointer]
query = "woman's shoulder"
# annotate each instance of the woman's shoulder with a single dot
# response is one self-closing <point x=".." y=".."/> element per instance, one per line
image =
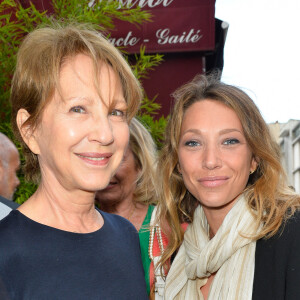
<point x="290" y="226"/>
<point x="276" y="259"/>
<point x="10" y="232"/>
<point x="117" y="229"/>
<point x="116" y="222"/>
<point x="9" y="222"/>
<point x="288" y="234"/>
<point x="112" y="217"/>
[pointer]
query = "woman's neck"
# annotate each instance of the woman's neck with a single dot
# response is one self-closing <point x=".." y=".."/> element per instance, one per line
<point x="214" y="219"/>
<point x="216" y="215"/>
<point x="65" y="210"/>
<point x="122" y="207"/>
<point x="128" y="208"/>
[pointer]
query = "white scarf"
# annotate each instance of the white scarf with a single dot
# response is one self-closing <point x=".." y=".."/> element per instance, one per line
<point x="228" y="253"/>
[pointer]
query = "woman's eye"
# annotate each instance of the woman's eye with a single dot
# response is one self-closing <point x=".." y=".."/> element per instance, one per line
<point x="231" y="142"/>
<point x="78" y="109"/>
<point x="191" y="143"/>
<point x="118" y="113"/>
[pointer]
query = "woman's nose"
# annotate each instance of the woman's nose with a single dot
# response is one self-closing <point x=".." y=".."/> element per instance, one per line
<point x="211" y="157"/>
<point x="102" y="131"/>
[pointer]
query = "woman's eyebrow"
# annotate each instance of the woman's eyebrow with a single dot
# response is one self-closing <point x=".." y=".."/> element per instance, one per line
<point x="193" y="130"/>
<point x="229" y="130"/>
<point x="223" y="131"/>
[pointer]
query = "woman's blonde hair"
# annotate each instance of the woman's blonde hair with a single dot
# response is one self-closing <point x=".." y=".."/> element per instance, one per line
<point x="39" y="61"/>
<point x="144" y="151"/>
<point x="270" y="198"/>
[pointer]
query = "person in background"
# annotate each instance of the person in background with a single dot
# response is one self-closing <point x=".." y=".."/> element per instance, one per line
<point x="9" y="181"/>
<point x="131" y="193"/>
<point x="9" y="165"/>
<point x="73" y="96"/>
<point x="221" y="171"/>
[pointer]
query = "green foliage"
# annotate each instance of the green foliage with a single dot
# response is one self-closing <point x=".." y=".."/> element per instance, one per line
<point x="25" y="190"/>
<point x="16" y="21"/>
<point x="99" y="12"/>
<point x="149" y="108"/>
<point x="144" y="63"/>
<point x="155" y="127"/>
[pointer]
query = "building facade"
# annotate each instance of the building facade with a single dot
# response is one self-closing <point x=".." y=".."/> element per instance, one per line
<point x="289" y="141"/>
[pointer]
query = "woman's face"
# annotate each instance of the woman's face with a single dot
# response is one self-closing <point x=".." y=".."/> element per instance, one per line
<point x="82" y="136"/>
<point x="214" y="157"/>
<point x="123" y="184"/>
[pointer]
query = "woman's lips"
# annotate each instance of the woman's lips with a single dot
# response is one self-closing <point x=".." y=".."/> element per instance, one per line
<point x="110" y="185"/>
<point x="94" y="158"/>
<point x="213" y="181"/>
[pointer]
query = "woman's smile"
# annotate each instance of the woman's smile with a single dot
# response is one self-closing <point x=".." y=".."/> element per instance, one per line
<point x="93" y="158"/>
<point x="213" y="181"/>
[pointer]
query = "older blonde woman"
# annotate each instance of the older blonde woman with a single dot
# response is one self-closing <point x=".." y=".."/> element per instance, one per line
<point x="73" y="96"/>
<point x="221" y="171"/>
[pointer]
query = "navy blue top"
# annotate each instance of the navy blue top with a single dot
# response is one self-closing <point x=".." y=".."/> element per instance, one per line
<point x="38" y="262"/>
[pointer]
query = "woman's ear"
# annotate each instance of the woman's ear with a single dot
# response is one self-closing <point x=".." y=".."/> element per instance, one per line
<point x="254" y="164"/>
<point x="28" y="135"/>
<point x="178" y="168"/>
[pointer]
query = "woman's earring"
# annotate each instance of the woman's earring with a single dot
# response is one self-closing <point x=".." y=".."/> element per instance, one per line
<point x="251" y="172"/>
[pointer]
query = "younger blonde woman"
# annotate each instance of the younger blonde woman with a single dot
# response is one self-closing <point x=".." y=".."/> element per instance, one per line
<point x="221" y="171"/>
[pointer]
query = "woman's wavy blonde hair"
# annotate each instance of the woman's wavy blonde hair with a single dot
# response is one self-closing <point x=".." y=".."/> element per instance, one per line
<point x="144" y="152"/>
<point x="39" y="61"/>
<point x="267" y="192"/>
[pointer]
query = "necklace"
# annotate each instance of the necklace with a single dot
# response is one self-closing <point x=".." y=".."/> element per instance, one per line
<point x="151" y="240"/>
<point x="159" y="273"/>
<point x="131" y="213"/>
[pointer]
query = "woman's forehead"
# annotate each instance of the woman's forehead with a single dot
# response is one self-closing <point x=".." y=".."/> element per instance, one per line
<point x="80" y="72"/>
